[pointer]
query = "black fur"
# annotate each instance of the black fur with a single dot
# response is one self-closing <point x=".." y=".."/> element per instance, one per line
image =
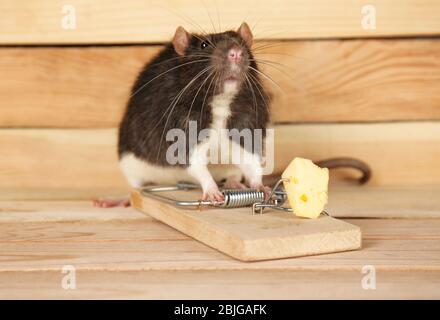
<point x="143" y="128"/>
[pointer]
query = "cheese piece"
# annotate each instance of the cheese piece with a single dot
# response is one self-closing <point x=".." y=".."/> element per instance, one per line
<point x="306" y="187"/>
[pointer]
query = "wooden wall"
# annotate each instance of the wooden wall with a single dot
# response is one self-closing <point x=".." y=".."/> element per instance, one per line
<point x="373" y="94"/>
<point x="102" y="21"/>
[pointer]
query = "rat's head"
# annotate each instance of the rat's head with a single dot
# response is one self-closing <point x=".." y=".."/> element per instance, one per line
<point x="227" y="55"/>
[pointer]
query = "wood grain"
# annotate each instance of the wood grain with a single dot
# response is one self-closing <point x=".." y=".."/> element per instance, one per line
<point x="68" y="87"/>
<point x="399" y="154"/>
<point x="123" y="254"/>
<point x="415" y="202"/>
<point x="41" y="21"/>
<point x="223" y="284"/>
<point x="399" y="201"/>
<point x="63" y="211"/>
<point x="89" y="231"/>
<point x="188" y="254"/>
<point x="56" y="159"/>
<point x="78" y="220"/>
<point x="356" y="80"/>
<point x="83" y="162"/>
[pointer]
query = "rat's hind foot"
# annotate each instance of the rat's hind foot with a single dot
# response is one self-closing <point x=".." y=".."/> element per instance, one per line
<point x="234" y="182"/>
<point x="111" y="203"/>
<point x="261" y="187"/>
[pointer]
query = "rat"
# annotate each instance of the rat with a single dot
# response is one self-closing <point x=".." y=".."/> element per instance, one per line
<point x="212" y="80"/>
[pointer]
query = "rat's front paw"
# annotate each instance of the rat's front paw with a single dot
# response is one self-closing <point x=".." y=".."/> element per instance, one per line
<point x="213" y="194"/>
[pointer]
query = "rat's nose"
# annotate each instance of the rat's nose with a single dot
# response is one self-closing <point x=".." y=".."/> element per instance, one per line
<point x="234" y="55"/>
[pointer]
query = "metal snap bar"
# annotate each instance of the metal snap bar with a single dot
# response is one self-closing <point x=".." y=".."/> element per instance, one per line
<point x="233" y="198"/>
<point x="275" y="202"/>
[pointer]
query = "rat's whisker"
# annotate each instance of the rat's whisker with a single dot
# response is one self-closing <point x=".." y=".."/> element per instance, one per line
<point x="209" y="16"/>
<point x="253" y="97"/>
<point x="182" y="58"/>
<point x="268" y="78"/>
<point x="176" y="100"/>
<point x="165" y="72"/>
<point x="256" y="23"/>
<point x="257" y="85"/>
<point x="218" y="17"/>
<point x="258" y="48"/>
<point x="274" y="65"/>
<point x="178" y="95"/>
<point x="195" y="96"/>
<point x="181" y="92"/>
<point x="206" y="94"/>
<point x="268" y="62"/>
<point x="172" y="106"/>
<point x="263" y="44"/>
<point x="298" y="85"/>
<point x="285" y="54"/>
<point x="272" y="36"/>
<point x="192" y="22"/>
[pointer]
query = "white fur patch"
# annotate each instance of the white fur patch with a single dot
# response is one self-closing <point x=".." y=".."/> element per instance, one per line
<point x="220" y="105"/>
<point x="139" y="172"/>
<point x="221" y="111"/>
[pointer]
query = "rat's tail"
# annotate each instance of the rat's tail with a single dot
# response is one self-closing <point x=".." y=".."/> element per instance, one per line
<point x="348" y="163"/>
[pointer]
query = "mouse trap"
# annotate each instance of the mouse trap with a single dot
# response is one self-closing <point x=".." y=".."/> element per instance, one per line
<point x="238" y="227"/>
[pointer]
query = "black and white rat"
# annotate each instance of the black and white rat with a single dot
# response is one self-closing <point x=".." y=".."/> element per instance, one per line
<point x="217" y="74"/>
<point x="212" y="80"/>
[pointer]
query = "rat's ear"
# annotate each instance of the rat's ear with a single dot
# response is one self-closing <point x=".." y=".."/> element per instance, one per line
<point x="245" y="32"/>
<point x="181" y="40"/>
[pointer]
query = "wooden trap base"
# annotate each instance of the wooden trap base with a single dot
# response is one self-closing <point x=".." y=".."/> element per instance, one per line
<point x="248" y="237"/>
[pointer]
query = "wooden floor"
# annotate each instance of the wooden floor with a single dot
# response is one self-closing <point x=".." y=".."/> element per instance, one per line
<point x="121" y="253"/>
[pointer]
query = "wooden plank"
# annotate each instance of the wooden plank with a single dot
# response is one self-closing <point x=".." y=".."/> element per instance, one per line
<point x="88" y="192"/>
<point x="359" y="80"/>
<point x="56" y="159"/>
<point x="404" y="201"/>
<point x="138" y="21"/>
<point x="356" y="80"/>
<point x="34" y="253"/>
<point x="80" y="217"/>
<point x="63" y="211"/>
<point x="68" y="87"/>
<point x="246" y="237"/>
<point x="398" y="255"/>
<point x="143" y="230"/>
<point x="36" y="161"/>
<point x="395" y="229"/>
<point x="122" y="258"/>
<point x="366" y="202"/>
<point x="399" y="154"/>
<point x="220" y="284"/>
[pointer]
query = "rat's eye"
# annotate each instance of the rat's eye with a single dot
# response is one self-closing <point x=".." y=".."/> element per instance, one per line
<point x="203" y="45"/>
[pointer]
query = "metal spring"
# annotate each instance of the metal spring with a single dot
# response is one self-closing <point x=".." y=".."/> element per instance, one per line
<point x="235" y="198"/>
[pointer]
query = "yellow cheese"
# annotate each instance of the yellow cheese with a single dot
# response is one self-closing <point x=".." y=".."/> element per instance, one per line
<point x="306" y="187"/>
